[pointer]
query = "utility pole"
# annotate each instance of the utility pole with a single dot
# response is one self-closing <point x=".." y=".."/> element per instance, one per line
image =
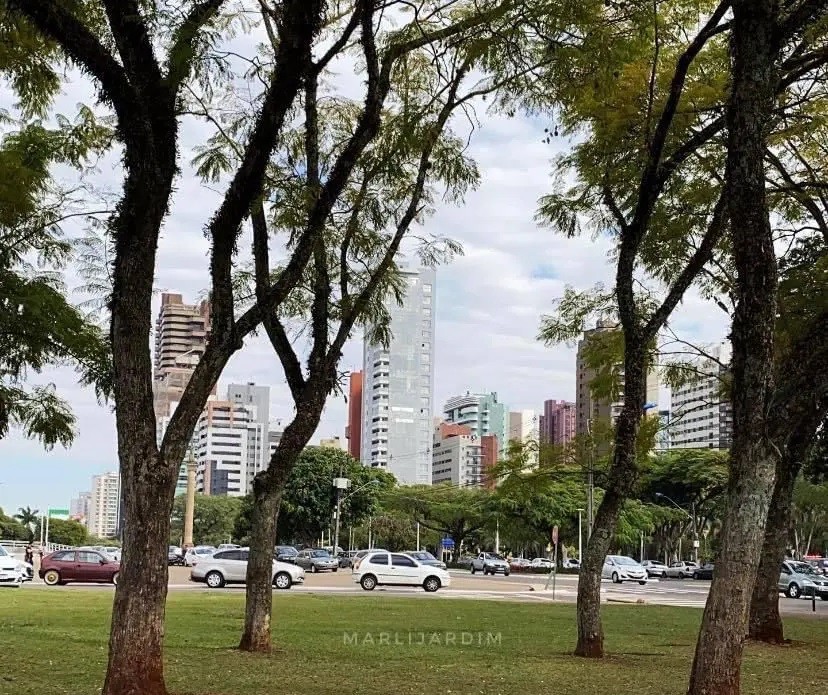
<point x="340" y="484"/>
<point x="189" y="505"/>
<point x="590" y="481"/>
<point x="580" y="539"/>
<point x="695" y="534"/>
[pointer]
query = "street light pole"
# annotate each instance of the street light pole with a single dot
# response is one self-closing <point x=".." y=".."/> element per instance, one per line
<point x="692" y="518"/>
<point x="580" y="538"/>
<point x="340" y="500"/>
<point x="590" y="483"/>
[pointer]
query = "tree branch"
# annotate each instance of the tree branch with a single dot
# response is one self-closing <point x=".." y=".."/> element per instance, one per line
<point x="133" y="42"/>
<point x="341" y="42"/>
<point x="182" y="52"/>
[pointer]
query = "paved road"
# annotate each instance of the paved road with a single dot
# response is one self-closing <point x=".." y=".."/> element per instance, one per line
<point x="526" y="588"/>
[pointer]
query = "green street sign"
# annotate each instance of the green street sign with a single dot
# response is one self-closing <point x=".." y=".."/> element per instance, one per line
<point x="58" y="512"/>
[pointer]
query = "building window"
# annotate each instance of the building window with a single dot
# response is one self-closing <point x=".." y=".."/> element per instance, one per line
<point x="426" y="288"/>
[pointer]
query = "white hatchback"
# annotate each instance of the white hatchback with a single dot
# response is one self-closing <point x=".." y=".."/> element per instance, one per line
<point x="230" y="567"/>
<point x="397" y="569"/>
<point x="621" y="568"/>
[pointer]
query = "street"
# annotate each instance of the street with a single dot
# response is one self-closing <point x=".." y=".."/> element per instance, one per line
<point x="516" y="587"/>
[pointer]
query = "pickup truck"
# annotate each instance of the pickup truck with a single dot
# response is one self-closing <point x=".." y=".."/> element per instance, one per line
<point x="489" y="563"/>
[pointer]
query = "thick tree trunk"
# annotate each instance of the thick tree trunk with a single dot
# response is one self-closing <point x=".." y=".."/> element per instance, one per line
<point x="717" y="662"/>
<point x="256" y="636"/>
<point x="765" y="624"/>
<point x="135" y="645"/>
<point x="623" y="474"/>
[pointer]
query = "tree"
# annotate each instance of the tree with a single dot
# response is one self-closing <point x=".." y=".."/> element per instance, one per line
<point x="65" y="532"/>
<point x="760" y="31"/>
<point x="12" y="529"/>
<point x="28" y="517"/>
<point x="400" y="152"/>
<point x="214" y="519"/>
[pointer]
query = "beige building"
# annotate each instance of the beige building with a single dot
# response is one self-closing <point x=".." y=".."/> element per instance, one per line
<point x="104" y="506"/>
<point x="333" y="443"/>
<point x="181" y="332"/>
<point x="460" y="457"/>
<point x="590" y="408"/>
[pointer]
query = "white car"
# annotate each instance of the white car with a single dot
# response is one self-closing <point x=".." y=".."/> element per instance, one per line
<point x="543" y="562"/>
<point x="195" y="555"/>
<point x="12" y="571"/>
<point x="230" y="567"/>
<point x="655" y="568"/>
<point x="398" y="569"/>
<point x="621" y="568"/>
<point x="681" y="570"/>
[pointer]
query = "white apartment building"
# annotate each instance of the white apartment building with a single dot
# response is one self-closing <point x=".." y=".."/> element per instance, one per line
<point x="104" y="505"/>
<point x="459" y="457"/>
<point x="699" y="417"/>
<point x="397" y="404"/>
<point x="79" y="506"/>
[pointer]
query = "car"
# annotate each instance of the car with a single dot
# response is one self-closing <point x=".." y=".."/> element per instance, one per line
<point x="111" y="551"/>
<point x="12" y="570"/>
<point x="285" y="553"/>
<point x="78" y="566"/>
<point x="317" y="560"/>
<point x="681" y="570"/>
<point x="359" y="556"/>
<point x="519" y="563"/>
<point x="228" y="546"/>
<point x="704" y="572"/>
<point x="230" y="567"/>
<point x="801" y="579"/>
<point x="194" y="555"/>
<point x="490" y="563"/>
<point x="379" y="568"/>
<point x="655" y="568"/>
<point x="426" y="558"/>
<point x="572" y="563"/>
<point x="175" y="556"/>
<point x="621" y="568"/>
<point x="542" y="563"/>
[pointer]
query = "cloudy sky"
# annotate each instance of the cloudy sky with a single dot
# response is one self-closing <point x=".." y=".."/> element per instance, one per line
<point x="488" y="305"/>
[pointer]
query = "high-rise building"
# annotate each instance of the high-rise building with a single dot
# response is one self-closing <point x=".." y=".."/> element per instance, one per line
<point x="482" y="413"/>
<point x="663" y="435"/>
<point x="232" y="441"/>
<point x="79" y="507"/>
<point x="353" y="430"/>
<point x="460" y="457"/>
<point x="700" y="417"/>
<point x="524" y="428"/>
<point x="181" y="332"/>
<point x="591" y="408"/>
<point x="557" y="424"/>
<point x="398" y="383"/>
<point x="104" y="505"/>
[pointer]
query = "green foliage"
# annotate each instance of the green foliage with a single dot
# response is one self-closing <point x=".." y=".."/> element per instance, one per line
<point x="810" y="507"/>
<point x="214" y="519"/>
<point x="12" y="529"/>
<point x="66" y="532"/>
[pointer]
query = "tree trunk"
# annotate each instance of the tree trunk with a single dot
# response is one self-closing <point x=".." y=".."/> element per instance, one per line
<point x="135" y="644"/>
<point x="717" y="662"/>
<point x="623" y="474"/>
<point x="765" y="623"/>
<point x="259" y="595"/>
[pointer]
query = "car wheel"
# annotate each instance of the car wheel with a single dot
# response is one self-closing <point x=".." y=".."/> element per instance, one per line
<point x="615" y="578"/>
<point x="368" y="582"/>
<point x="214" y="580"/>
<point x="115" y="578"/>
<point x="793" y="590"/>
<point x="643" y="583"/>
<point x="681" y="575"/>
<point x="473" y="570"/>
<point x="431" y="584"/>
<point x="506" y="574"/>
<point x="335" y="569"/>
<point x="313" y="569"/>
<point x="282" y="581"/>
<point x="52" y="578"/>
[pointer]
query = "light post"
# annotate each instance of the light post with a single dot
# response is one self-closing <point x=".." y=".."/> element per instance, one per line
<point x="580" y="538"/>
<point x="692" y="518"/>
<point x="340" y="484"/>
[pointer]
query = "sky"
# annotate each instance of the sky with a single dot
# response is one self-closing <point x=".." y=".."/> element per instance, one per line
<point x="489" y="302"/>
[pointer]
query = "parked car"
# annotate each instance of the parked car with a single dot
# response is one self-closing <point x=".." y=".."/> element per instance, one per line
<point x="490" y="563"/>
<point x="200" y="552"/>
<point x="12" y="570"/>
<point x="464" y="561"/>
<point x="572" y="563"/>
<point x="681" y="570"/>
<point x="111" y="551"/>
<point x="704" y="572"/>
<point x="317" y="560"/>
<point x="230" y="567"/>
<point x="655" y="568"/>
<point x="519" y="564"/>
<point x="285" y="553"/>
<point x="542" y="562"/>
<point x="801" y="579"/>
<point x="175" y="556"/>
<point x="398" y="569"/>
<point x="78" y="566"/>
<point x="228" y="546"/>
<point x="345" y="558"/>
<point x="426" y="558"/>
<point x="621" y="568"/>
<point x="359" y="555"/>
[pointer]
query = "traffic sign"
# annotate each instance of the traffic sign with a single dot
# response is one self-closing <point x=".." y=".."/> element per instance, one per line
<point x="447" y="543"/>
<point x="554" y="535"/>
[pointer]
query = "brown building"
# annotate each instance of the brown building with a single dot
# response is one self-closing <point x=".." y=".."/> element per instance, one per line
<point x="181" y="332"/>
<point x="557" y="424"/>
<point x="353" y="430"/>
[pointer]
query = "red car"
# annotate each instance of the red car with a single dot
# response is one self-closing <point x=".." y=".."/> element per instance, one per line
<point x="78" y="566"/>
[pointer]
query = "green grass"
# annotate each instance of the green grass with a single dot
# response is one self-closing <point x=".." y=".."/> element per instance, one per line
<point x="55" y="643"/>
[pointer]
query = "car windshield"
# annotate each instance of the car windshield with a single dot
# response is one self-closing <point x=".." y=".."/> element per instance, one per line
<point x="320" y="553"/>
<point x="803" y="568"/>
<point x="3" y="552"/>
<point x="624" y="560"/>
<point x="422" y="555"/>
<point x="494" y="556"/>
<point x="288" y="550"/>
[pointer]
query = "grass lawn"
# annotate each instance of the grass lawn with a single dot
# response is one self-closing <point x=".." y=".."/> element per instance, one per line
<point x="54" y="642"/>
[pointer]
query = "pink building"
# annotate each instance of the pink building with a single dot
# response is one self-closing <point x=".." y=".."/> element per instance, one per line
<point x="557" y="424"/>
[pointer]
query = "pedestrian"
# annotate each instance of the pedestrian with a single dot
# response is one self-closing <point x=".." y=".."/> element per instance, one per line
<point x="28" y="555"/>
